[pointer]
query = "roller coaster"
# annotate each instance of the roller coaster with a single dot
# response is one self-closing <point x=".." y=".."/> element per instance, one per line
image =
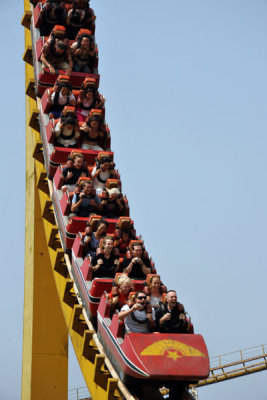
<point x="61" y="289"/>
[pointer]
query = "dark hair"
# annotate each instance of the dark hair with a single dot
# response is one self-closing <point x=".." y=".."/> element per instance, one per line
<point x="58" y="10"/>
<point x="171" y="290"/>
<point x="137" y="293"/>
<point x="61" y="45"/>
<point x="67" y="85"/>
<point x="102" y="221"/>
<point x="80" y="38"/>
<point x="104" y="159"/>
<point x="69" y="121"/>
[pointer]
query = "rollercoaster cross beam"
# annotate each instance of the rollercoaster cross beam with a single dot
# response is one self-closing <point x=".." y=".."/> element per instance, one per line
<point x="236" y="364"/>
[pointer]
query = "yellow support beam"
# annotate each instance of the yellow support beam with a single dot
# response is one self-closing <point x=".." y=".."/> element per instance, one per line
<point x="45" y="337"/>
<point x="52" y="307"/>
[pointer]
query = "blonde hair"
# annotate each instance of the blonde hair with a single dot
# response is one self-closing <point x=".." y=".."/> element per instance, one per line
<point x="124" y="279"/>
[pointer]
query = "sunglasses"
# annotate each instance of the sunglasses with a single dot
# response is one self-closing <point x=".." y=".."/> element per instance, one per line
<point x="141" y="298"/>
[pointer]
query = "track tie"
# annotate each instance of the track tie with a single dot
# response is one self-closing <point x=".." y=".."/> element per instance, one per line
<point x="48" y="212"/>
<point x="112" y="390"/>
<point x="26" y="19"/>
<point x="60" y="265"/>
<point x="89" y="346"/>
<point x="69" y="294"/>
<point x="78" y="324"/>
<point x="27" y="55"/>
<point x="34" y="120"/>
<point x="54" y="241"/>
<point x="30" y="90"/>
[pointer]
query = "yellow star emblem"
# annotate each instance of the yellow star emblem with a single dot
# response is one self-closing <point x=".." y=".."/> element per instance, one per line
<point x="173" y="355"/>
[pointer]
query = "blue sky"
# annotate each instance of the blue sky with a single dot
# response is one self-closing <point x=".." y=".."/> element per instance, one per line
<point x="185" y="84"/>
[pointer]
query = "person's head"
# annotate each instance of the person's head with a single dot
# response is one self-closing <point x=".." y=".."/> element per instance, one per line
<point x="64" y="88"/>
<point x="101" y="227"/>
<point x="58" y="10"/>
<point x="137" y="250"/>
<point x="60" y="47"/>
<point x="140" y="298"/>
<point x="78" y="161"/>
<point x="87" y="187"/>
<point x="105" y="163"/>
<point x="125" y="284"/>
<point x="108" y="244"/>
<point x="94" y="123"/>
<point x="85" y="42"/>
<point x="155" y="282"/>
<point x="89" y="94"/>
<point x="69" y="122"/>
<point x="113" y="193"/>
<point x="171" y="298"/>
<point x="125" y="236"/>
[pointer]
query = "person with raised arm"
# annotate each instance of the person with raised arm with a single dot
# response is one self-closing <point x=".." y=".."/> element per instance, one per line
<point x="140" y="317"/>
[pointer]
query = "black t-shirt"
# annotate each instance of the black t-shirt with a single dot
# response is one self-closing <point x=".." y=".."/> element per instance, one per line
<point x="137" y="272"/>
<point x="107" y="269"/>
<point x="76" y="174"/>
<point x="173" y="325"/>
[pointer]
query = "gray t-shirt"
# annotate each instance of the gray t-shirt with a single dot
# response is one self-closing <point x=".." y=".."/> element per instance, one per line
<point x="133" y="326"/>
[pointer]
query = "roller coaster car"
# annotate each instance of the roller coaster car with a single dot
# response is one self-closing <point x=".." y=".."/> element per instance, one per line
<point x="55" y="156"/>
<point x="155" y="356"/>
<point x="43" y="78"/>
<point x="46" y="104"/>
<point x="91" y="291"/>
<point x="69" y="227"/>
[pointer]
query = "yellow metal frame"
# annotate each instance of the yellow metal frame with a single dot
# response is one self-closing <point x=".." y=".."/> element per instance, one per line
<point x="52" y="307"/>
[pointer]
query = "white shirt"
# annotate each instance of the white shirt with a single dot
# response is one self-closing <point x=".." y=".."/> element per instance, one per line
<point x="133" y="326"/>
<point x="62" y="100"/>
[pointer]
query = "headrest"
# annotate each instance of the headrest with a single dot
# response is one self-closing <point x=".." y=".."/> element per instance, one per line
<point x="112" y="183"/>
<point x="125" y="223"/>
<point x="76" y="153"/>
<point x="89" y="82"/>
<point x="68" y="111"/>
<point x="83" y="179"/>
<point x="93" y="221"/>
<point x="59" y="30"/>
<point x="63" y="78"/>
<point x="96" y="113"/>
<point x="104" y="154"/>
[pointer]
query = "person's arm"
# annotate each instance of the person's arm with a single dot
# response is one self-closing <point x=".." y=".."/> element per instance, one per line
<point x="151" y="320"/>
<point x="75" y="205"/>
<point x="70" y="62"/>
<point x="85" y="128"/>
<point x="166" y="317"/>
<point x="95" y="173"/>
<point x="128" y="269"/>
<point x="126" y="312"/>
<point x="47" y="64"/>
<point x="58" y="128"/>
<point x="119" y="204"/>
<point x="117" y="264"/>
<point x="72" y="101"/>
<point x="96" y="202"/>
<point x="98" y="264"/>
<point x="68" y="176"/>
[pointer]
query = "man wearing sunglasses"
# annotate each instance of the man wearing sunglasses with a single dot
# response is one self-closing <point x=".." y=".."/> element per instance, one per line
<point x="140" y="317"/>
